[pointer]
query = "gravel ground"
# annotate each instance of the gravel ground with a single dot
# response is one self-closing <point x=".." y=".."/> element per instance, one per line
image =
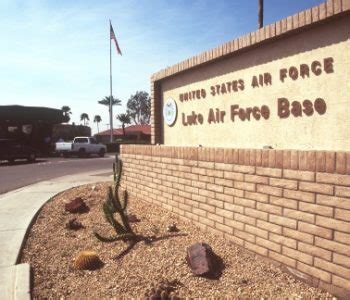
<point x="50" y="249"/>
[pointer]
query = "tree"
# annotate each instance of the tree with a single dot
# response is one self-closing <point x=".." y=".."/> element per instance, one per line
<point x="124" y="119"/>
<point x="261" y="13"/>
<point x="84" y="117"/>
<point x="139" y="108"/>
<point x="106" y="101"/>
<point x="97" y="119"/>
<point x="66" y="112"/>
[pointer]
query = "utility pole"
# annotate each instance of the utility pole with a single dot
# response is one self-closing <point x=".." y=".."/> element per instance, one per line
<point x="261" y="14"/>
<point x="110" y="86"/>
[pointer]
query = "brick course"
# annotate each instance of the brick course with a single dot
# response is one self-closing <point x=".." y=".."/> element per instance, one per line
<point x="298" y="218"/>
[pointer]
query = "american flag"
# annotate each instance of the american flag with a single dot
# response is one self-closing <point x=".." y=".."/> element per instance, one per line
<point x="112" y="37"/>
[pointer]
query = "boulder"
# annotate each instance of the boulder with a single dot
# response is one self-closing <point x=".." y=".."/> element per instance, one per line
<point x="77" y="205"/>
<point x="172" y="228"/>
<point x="164" y="290"/>
<point x="74" y="224"/>
<point x="201" y="259"/>
<point x="133" y="218"/>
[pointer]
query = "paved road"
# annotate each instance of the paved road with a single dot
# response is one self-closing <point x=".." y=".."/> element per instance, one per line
<point x="21" y="173"/>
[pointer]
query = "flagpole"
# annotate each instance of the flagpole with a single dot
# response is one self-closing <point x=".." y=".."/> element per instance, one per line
<point x="110" y="84"/>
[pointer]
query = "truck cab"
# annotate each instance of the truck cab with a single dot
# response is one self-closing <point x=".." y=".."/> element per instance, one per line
<point x="88" y="145"/>
<point x="81" y="146"/>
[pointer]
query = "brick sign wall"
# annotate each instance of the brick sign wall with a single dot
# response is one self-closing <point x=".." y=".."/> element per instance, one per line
<point x="285" y="85"/>
<point x="282" y="205"/>
<point x="289" y="206"/>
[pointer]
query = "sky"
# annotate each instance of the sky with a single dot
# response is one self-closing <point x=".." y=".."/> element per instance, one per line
<point x="56" y="52"/>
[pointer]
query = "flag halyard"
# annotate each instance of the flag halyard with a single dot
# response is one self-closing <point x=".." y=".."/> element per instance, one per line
<point x="112" y="37"/>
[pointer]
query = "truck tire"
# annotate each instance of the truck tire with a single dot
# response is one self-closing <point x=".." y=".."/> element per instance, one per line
<point x="31" y="157"/>
<point x="82" y="152"/>
<point x="102" y="152"/>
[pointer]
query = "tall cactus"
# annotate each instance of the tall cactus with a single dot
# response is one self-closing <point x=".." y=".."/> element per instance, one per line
<point x="114" y="204"/>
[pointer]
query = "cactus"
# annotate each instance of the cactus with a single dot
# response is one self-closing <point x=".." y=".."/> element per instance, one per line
<point x="116" y="204"/>
<point x="87" y="260"/>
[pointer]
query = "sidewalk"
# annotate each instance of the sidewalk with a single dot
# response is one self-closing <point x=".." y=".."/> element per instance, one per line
<point x="17" y="210"/>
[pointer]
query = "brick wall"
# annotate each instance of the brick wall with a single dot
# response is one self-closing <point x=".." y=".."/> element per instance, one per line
<point x="292" y="207"/>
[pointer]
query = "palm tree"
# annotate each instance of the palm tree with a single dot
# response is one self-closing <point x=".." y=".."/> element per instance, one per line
<point x="97" y="119"/>
<point x="66" y="112"/>
<point x="124" y="119"/>
<point x="84" y="117"/>
<point x="106" y="101"/>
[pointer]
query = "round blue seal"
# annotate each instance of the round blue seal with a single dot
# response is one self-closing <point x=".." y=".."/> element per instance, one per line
<point x="170" y="111"/>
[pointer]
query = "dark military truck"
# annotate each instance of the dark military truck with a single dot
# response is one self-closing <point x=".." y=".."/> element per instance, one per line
<point x="11" y="150"/>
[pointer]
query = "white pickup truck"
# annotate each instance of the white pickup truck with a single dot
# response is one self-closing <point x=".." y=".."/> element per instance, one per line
<point x="81" y="146"/>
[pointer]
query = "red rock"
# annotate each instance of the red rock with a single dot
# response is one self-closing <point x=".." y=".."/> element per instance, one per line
<point x="133" y="218"/>
<point x="77" y="205"/>
<point x="201" y="259"/>
<point x="74" y="224"/>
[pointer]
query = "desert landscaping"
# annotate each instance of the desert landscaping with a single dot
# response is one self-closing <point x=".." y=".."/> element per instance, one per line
<point x="51" y="248"/>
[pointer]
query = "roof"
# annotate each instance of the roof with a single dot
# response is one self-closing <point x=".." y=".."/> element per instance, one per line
<point x="18" y="113"/>
<point x="299" y="21"/>
<point x="132" y="129"/>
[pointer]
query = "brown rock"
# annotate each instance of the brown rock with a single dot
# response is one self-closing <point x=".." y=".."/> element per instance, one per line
<point x="77" y="205"/>
<point x="201" y="259"/>
<point x="164" y="290"/>
<point x="74" y="224"/>
<point x="172" y="228"/>
<point x="133" y="218"/>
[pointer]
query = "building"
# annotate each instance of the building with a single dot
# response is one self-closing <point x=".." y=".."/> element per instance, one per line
<point x="136" y="133"/>
<point x="68" y="132"/>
